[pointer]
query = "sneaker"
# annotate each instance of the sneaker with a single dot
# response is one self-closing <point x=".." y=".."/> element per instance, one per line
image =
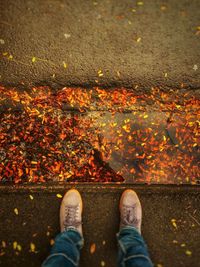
<point x="130" y="210"/>
<point x="71" y="211"/>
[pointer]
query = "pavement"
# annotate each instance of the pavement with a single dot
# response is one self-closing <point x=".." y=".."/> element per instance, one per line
<point x="110" y="44"/>
<point x="136" y="44"/>
<point x="171" y="223"/>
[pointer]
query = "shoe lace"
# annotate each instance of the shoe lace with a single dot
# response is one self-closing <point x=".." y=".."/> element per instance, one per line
<point x="128" y="212"/>
<point x="71" y="217"/>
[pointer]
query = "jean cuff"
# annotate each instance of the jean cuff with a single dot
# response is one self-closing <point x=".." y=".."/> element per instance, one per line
<point x="80" y="239"/>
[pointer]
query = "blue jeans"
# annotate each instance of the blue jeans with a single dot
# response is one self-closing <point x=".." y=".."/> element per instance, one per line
<point x="66" y="250"/>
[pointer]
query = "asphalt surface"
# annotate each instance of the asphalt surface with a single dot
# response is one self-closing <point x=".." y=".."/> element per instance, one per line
<point x="171" y="224"/>
<point x="112" y="43"/>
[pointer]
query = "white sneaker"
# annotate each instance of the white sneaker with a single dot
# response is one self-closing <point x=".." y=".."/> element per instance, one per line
<point x="71" y="211"/>
<point x="130" y="210"/>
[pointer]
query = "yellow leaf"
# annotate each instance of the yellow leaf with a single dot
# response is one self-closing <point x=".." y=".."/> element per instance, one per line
<point x="59" y="196"/>
<point x="14" y="244"/>
<point x="100" y="73"/>
<point x="32" y="247"/>
<point x="140" y="3"/>
<point x="33" y="59"/>
<point x="64" y="65"/>
<point x="173" y="221"/>
<point x="126" y="128"/>
<point x="19" y="248"/>
<point x="16" y="211"/>
<point x="188" y="252"/>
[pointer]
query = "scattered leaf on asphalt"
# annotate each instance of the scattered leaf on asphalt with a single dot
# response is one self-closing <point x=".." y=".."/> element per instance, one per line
<point x="32" y="247"/>
<point x="52" y="242"/>
<point x="67" y="35"/>
<point x="140" y="3"/>
<point x="33" y="59"/>
<point x="19" y="247"/>
<point x="195" y="67"/>
<point x="64" y="64"/>
<point x="173" y="221"/>
<point x="100" y="73"/>
<point x="10" y="57"/>
<point x="16" y="211"/>
<point x="188" y="252"/>
<point x="93" y="248"/>
<point x="15" y="245"/>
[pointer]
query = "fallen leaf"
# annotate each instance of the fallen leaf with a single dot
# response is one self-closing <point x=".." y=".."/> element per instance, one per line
<point x="64" y="64"/>
<point x="67" y="35"/>
<point x="52" y="242"/>
<point x="16" y="211"/>
<point x="32" y="247"/>
<point x="173" y="221"/>
<point x="93" y="248"/>
<point x="14" y="244"/>
<point x="195" y="67"/>
<point x="188" y="252"/>
<point x="33" y="59"/>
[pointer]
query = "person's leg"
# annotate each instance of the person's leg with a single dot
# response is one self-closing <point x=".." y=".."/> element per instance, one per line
<point x="66" y="250"/>
<point x="132" y="248"/>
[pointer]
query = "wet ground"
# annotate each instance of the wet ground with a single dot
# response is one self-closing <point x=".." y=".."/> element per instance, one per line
<point x="98" y="135"/>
